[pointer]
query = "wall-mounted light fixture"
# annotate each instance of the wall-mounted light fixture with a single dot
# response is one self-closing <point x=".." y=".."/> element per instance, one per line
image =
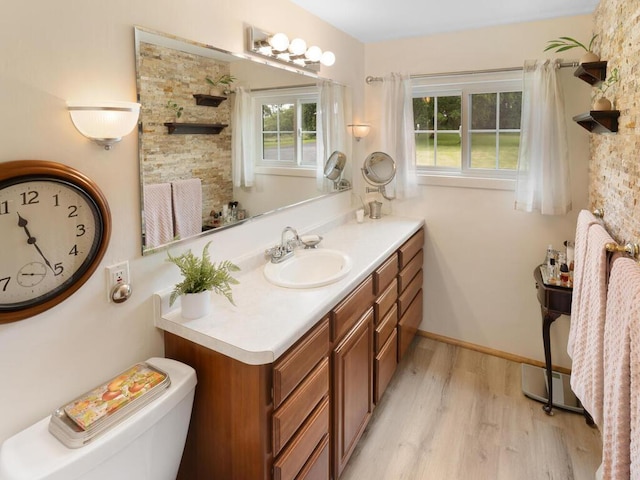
<point x="359" y="130"/>
<point x="104" y="123"/>
<point x="278" y="47"/>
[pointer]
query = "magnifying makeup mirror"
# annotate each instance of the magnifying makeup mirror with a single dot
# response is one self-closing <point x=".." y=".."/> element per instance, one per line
<point x="379" y="169"/>
<point x="333" y="169"/>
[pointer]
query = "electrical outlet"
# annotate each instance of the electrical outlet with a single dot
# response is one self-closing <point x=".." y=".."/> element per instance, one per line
<point x="118" y="273"/>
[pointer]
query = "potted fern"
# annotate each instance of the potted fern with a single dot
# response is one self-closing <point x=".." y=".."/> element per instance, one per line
<point x="562" y="44"/>
<point x="200" y="277"/>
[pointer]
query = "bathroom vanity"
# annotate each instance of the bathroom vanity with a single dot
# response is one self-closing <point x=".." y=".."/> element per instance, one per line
<point x="288" y="379"/>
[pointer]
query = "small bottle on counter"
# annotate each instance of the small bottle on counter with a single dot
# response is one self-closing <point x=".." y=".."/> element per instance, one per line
<point x="564" y="270"/>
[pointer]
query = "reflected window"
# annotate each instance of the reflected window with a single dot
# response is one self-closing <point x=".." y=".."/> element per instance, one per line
<point x="287" y="131"/>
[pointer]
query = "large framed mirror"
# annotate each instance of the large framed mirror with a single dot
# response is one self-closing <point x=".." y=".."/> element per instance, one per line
<point x="212" y="159"/>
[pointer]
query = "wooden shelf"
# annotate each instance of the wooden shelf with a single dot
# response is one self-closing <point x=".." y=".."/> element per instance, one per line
<point x="599" y="121"/>
<point x="182" y="128"/>
<point x="594" y="73"/>
<point x="208" y="100"/>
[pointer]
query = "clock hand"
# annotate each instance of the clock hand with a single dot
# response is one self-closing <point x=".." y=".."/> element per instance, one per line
<point x="22" y="222"/>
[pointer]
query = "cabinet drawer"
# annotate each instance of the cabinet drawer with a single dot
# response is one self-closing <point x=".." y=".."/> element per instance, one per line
<point x="294" y="411"/>
<point x="409" y="249"/>
<point x="317" y="468"/>
<point x="406" y="297"/>
<point x="293" y="366"/>
<point x="385" y="366"/>
<point x="297" y="453"/>
<point x="385" y="328"/>
<point x="385" y="301"/>
<point x="409" y="272"/>
<point x="347" y="313"/>
<point x="384" y="274"/>
<point x="408" y="325"/>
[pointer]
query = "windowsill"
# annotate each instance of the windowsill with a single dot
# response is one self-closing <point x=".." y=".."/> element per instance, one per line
<point x="286" y="172"/>
<point x="467" y="182"/>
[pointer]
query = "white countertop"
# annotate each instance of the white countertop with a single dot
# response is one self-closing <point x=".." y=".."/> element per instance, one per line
<point x="267" y="319"/>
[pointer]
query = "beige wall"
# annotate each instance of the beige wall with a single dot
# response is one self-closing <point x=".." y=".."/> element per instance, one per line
<point x="480" y="252"/>
<point x="67" y="50"/>
<point x="614" y="167"/>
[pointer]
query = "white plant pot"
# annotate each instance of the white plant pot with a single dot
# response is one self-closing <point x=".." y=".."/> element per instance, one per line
<point x="602" y="104"/>
<point x="588" y="58"/>
<point x="195" y="305"/>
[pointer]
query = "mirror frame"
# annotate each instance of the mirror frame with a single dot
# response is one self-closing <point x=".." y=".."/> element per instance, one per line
<point x="142" y="34"/>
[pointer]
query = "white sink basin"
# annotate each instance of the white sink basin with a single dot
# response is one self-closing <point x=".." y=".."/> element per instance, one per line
<point x="309" y="268"/>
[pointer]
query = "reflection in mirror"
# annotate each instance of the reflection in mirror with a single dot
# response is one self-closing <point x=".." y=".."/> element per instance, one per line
<point x="334" y="168"/>
<point x="212" y="159"/>
<point x="379" y="169"/>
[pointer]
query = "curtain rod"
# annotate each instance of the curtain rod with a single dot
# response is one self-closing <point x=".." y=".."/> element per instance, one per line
<point x="284" y="87"/>
<point x="370" y="79"/>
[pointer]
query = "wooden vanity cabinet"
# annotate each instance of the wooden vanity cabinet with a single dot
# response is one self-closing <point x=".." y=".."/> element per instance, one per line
<point x="352" y="369"/>
<point x="410" y="296"/>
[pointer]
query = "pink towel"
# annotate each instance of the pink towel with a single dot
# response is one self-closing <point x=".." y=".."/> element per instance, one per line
<point x="587" y="324"/>
<point x="158" y="218"/>
<point x="634" y="360"/>
<point x="623" y="311"/>
<point x="585" y="220"/>
<point x="187" y="207"/>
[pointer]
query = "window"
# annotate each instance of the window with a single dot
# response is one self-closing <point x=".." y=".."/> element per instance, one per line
<point x="287" y="128"/>
<point x="468" y="125"/>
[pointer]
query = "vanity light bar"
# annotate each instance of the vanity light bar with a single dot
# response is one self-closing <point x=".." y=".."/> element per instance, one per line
<point x="295" y="52"/>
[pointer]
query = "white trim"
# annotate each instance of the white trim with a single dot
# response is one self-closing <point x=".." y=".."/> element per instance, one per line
<point x="459" y="181"/>
<point x="287" y="171"/>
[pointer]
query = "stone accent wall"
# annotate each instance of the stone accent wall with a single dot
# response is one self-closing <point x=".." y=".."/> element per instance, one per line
<point x="614" y="173"/>
<point x="172" y="75"/>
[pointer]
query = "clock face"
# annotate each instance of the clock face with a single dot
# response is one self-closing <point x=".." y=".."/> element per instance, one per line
<point x="52" y="237"/>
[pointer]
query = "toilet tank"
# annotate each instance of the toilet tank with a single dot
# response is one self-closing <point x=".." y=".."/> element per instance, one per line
<point x="147" y="445"/>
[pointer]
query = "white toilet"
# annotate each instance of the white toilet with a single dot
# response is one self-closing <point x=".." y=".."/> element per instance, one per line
<point x="147" y="445"/>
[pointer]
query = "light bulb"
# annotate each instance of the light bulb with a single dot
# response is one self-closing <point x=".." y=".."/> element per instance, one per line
<point x="328" y="58"/>
<point x="279" y="42"/>
<point x="297" y="46"/>
<point x="314" y="53"/>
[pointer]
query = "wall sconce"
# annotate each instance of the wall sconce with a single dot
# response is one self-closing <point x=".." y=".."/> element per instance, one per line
<point x="359" y="130"/>
<point x="278" y="47"/>
<point x="104" y="123"/>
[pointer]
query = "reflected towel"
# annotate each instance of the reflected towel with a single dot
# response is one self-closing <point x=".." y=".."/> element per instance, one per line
<point x="587" y="323"/>
<point x="187" y="207"/>
<point x="158" y="218"/>
<point x="623" y="312"/>
<point x="634" y="370"/>
<point x="585" y="220"/>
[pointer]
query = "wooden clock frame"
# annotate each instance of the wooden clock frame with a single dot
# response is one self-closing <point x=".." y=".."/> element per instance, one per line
<point x="43" y="170"/>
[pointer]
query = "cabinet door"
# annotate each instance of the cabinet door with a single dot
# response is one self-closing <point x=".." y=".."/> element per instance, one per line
<point x="353" y="389"/>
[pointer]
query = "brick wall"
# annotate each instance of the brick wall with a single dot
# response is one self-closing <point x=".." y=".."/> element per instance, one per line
<point x="614" y="173"/>
<point x="166" y="74"/>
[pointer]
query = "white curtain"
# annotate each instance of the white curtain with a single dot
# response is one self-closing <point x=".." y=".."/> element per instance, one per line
<point x="398" y="138"/>
<point x="334" y="110"/>
<point x="242" y="150"/>
<point x="543" y="183"/>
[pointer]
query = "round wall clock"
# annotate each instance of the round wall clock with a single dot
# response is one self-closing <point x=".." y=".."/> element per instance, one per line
<point x="55" y="226"/>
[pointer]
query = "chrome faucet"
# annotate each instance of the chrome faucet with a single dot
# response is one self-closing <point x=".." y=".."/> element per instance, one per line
<point x="281" y="252"/>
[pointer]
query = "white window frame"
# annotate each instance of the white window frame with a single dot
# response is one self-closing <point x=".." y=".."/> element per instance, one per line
<point x="465" y="85"/>
<point x="297" y="97"/>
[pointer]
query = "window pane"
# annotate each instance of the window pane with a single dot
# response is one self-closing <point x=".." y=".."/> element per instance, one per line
<point x="309" y="149"/>
<point x="423" y="113"/>
<point x="270" y="146"/>
<point x="425" y="154"/>
<point x="509" y="146"/>
<point x="448" y="150"/>
<point x="483" y="150"/>
<point x="309" y="117"/>
<point x="270" y="118"/>
<point x="287" y="146"/>
<point x="510" y="108"/>
<point x="449" y="113"/>
<point x="483" y="111"/>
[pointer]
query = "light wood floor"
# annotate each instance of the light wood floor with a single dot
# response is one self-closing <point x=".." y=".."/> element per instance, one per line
<point x="455" y="414"/>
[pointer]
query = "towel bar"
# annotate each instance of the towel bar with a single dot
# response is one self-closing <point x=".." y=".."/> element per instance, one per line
<point x="630" y="249"/>
<point x="598" y="212"/>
